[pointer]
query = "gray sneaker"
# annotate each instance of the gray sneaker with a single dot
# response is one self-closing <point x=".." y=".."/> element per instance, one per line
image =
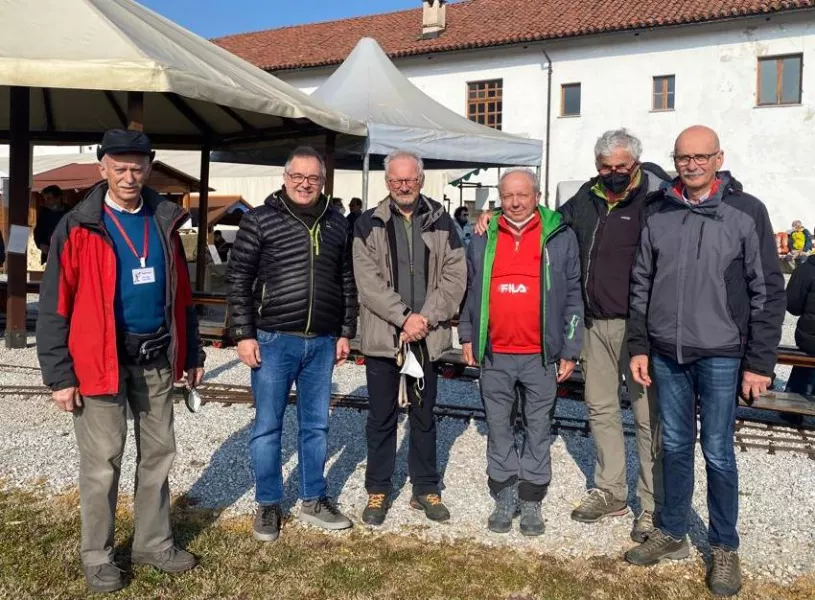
<point x="643" y="526"/>
<point x="266" y="527"/>
<point x="171" y="560"/>
<point x="506" y="507"/>
<point x="323" y="513"/>
<point x="104" y="578"/>
<point x="599" y="504"/>
<point x="724" y="575"/>
<point x="656" y="547"/>
<point x="531" y="521"/>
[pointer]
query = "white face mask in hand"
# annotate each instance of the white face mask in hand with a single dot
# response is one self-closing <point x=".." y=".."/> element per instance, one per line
<point x="412" y="367"/>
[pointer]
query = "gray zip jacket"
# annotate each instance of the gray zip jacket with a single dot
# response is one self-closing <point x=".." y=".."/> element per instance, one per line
<point x="707" y="281"/>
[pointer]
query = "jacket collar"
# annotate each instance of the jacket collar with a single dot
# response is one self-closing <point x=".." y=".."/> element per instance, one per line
<point x="428" y="210"/>
<point x="727" y="185"/>
<point x="89" y="211"/>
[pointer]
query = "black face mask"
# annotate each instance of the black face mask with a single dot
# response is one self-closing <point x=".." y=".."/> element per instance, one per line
<point x="616" y="183"/>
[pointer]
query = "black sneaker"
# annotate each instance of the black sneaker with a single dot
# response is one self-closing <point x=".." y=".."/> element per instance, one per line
<point x="432" y="506"/>
<point x="323" y="513"/>
<point x="531" y="520"/>
<point x="724" y="575"/>
<point x="506" y="507"/>
<point x="376" y="510"/>
<point x="267" y="523"/>
<point x="171" y="560"/>
<point x="656" y="547"/>
<point x="105" y="578"/>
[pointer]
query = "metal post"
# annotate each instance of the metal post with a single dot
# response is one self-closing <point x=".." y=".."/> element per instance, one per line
<point x="366" y="169"/>
<point x="330" y="162"/>
<point x="203" y="208"/>
<point x="19" y="200"/>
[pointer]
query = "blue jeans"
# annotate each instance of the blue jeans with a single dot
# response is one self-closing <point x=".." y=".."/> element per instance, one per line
<point x="715" y="382"/>
<point x="284" y="360"/>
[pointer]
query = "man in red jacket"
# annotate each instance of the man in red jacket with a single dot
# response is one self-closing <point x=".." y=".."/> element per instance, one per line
<point x="116" y="328"/>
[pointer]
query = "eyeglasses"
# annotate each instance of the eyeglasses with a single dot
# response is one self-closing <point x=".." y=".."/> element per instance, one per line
<point x="299" y="178"/>
<point x="699" y="159"/>
<point x="399" y="183"/>
<point x="622" y="169"/>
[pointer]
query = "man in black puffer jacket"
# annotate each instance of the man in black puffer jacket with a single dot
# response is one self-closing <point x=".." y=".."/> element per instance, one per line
<point x="293" y="307"/>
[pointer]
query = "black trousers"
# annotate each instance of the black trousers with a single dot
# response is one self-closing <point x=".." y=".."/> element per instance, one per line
<point x="383" y="392"/>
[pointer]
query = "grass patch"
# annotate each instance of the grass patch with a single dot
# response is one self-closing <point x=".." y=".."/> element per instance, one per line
<point x="39" y="558"/>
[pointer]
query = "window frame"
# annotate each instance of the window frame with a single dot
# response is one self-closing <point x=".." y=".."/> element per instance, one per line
<point x="664" y="94"/>
<point x="472" y="104"/>
<point x="777" y="60"/>
<point x="563" y="87"/>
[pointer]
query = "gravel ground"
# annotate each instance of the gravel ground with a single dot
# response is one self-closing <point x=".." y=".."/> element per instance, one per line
<point x="777" y="510"/>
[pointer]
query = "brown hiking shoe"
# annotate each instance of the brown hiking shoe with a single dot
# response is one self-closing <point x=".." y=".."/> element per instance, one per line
<point x="724" y="575"/>
<point x="599" y="504"/>
<point x="432" y="506"/>
<point x="376" y="510"/>
<point x="656" y="547"/>
<point x="643" y="526"/>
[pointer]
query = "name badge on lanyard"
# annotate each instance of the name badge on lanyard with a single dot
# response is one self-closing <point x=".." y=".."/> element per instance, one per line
<point x="144" y="274"/>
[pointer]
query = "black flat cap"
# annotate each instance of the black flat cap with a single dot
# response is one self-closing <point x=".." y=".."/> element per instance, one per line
<point x="125" y="141"/>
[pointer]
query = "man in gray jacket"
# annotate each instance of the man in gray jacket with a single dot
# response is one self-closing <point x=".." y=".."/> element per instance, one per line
<point x="523" y="323"/>
<point x="411" y="273"/>
<point x="707" y="303"/>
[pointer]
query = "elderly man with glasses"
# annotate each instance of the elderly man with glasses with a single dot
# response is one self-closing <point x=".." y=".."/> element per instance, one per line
<point x="411" y="274"/>
<point x="293" y="308"/>
<point x="707" y="306"/>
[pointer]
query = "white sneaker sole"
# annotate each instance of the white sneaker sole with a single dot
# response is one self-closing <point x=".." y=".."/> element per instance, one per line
<point x="332" y="526"/>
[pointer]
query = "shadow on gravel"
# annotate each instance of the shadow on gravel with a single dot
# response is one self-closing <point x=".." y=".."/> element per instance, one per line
<point x="210" y="375"/>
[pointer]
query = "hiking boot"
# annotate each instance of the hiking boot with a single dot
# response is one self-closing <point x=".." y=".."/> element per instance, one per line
<point x="323" y="513"/>
<point x="171" y="560"/>
<point x="506" y="507"/>
<point x="643" y="526"/>
<point x="376" y="510"/>
<point x="599" y="504"/>
<point x="104" y="578"/>
<point x="724" y="575"/>
<point x="266" y="527"/>
<point x="432" y="506"/>
<point x="656" y="547"/>
<point x="531" y="521"/>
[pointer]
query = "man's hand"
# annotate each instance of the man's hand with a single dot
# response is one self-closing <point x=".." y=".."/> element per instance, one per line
<point x="483" y="222"/>
<point x="467" y="354"/>
<point x="249" y="353"/>
<point x="565" y="369"/>
<point x="195" y="377"/>
<point x="68" y="399"/>
<point x="343" y="350"/>
<point x="415" y="328"/>
<point x="639" y="370"/>
<point x="753" y="385"/>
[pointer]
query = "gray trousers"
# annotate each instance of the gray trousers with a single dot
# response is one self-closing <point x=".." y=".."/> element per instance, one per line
<point x="101" y="428"/>
<point x="531" y="463"/>
<point x="605" y="358"/>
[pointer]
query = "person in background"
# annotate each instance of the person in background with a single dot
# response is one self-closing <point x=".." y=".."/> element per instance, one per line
<point x="221" y="245"/>
<point x="354" y="210"/>
<point x="336" y="204"/>
<point x="464" y="228"/>
<point x="800" y="244"/>
<point x="48" y="216"/>
<point x="801" y="303"/>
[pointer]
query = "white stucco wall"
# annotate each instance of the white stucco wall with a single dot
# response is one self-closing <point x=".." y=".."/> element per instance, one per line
<point x="769" y="149"/>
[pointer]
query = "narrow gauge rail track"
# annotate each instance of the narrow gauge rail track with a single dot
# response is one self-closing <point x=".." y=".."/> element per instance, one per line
<point x="750" y="433"/>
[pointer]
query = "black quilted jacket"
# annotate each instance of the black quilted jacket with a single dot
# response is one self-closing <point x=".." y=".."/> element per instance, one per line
<point x="285" y="277"/>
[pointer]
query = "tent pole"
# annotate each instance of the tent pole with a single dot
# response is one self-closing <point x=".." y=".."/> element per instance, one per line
<point x="135" y="111"/>
<point x="366" y="172"/>
<point x="330" y="163"/>
<point x="203" y="213"/>
<point x="19" y="200"/>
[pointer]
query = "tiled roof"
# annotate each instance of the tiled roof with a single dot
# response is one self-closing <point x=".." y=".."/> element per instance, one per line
<point x="482" y="23"/>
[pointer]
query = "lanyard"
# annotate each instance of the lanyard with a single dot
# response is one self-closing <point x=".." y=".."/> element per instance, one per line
<point x="143" y="257"/>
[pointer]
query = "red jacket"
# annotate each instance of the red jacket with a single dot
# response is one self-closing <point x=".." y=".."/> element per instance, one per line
<point x="76" y="328"/>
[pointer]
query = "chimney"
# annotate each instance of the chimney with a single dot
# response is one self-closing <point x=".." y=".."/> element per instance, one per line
<point x="434" y="18"/>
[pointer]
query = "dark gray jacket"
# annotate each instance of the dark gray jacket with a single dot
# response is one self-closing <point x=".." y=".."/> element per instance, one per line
<point x="561" y="295"/>
<point x="707" y="280"/>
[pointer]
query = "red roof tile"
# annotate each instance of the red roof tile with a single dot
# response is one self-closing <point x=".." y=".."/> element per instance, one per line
<point x="482" y="23"/>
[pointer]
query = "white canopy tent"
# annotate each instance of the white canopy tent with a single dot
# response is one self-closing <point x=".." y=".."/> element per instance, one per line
<point x="368" y="87"/>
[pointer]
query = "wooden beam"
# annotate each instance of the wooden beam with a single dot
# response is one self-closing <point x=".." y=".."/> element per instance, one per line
<point x="19" y="199"/>
<point x="160" y="140"/>
<point x="330" y="162"/>
<point x="245" y="125"/>
<point x="49" y="109"/>
<point x="135" y="111"/>
<point x="193" y="117"/>
<point x="120" y="114"/>
<point x="203" y="208"/>
<point x="270" y="134"/>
